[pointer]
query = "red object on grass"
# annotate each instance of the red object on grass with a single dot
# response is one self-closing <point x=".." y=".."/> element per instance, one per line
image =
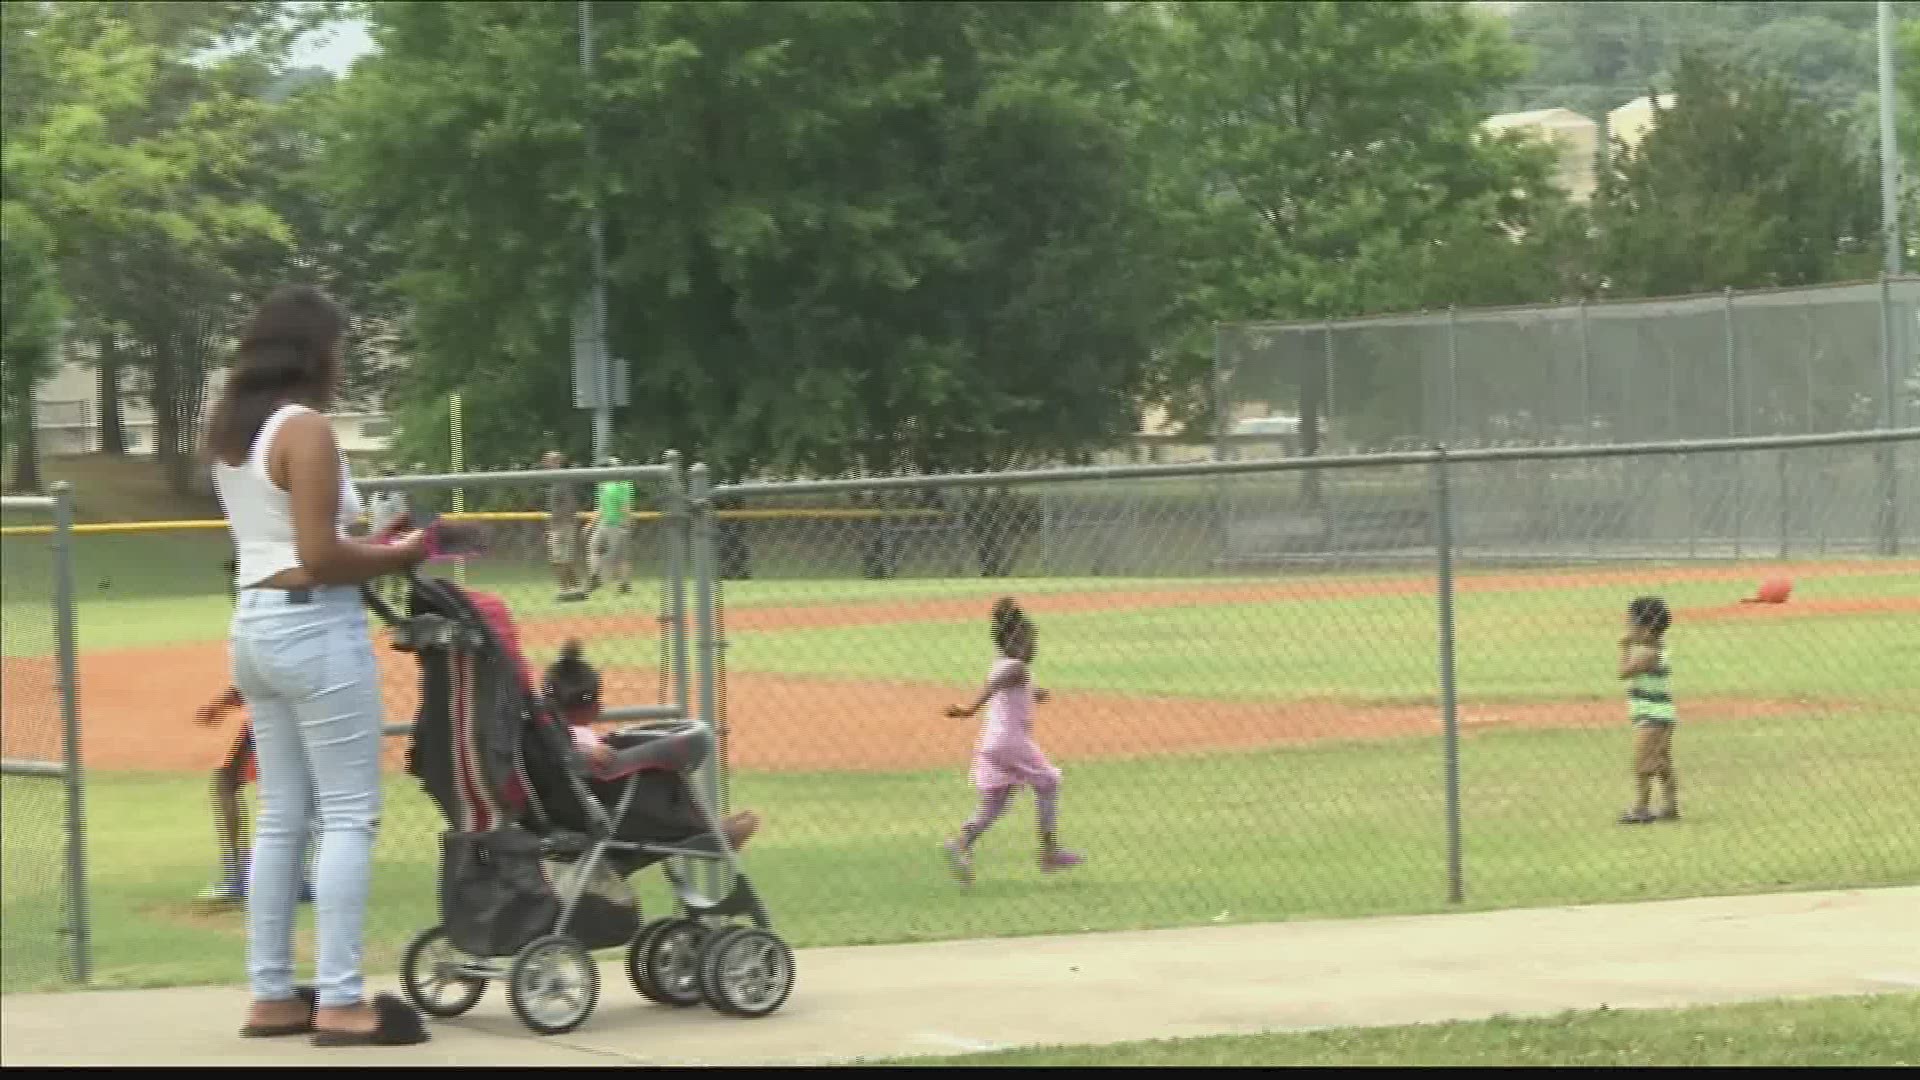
<point x="1772" y="591"/>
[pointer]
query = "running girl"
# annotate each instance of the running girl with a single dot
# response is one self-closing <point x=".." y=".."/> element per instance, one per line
<point x="1006" y="757"/>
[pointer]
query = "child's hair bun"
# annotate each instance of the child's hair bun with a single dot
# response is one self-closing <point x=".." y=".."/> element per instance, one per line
<point x="570" y="652"/>
<point x="1006" y="612"/>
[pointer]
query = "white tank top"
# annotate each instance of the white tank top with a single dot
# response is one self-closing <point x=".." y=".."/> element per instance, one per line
<point x="260" y="512"/>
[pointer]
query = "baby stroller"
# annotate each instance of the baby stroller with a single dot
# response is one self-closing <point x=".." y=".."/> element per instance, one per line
<point x="532" y="873"/>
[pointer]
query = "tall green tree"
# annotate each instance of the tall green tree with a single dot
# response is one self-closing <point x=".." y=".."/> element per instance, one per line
<point x="1592" y="58"/>
<point x="139" y="146"/>
<point x="838" y="235"/>
<point x="32" y="309"/>
<point x="1338" y="155"/>
<point x="1742" y="184"/>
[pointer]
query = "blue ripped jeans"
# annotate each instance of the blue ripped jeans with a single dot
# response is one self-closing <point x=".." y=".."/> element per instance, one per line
<point x="306" y="669"/>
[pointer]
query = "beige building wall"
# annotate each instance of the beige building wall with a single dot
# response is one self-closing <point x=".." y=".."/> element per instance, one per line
<point x="67" y="410"/>
<point x="1575" y="139"/>
<point x="1629" y="123"/>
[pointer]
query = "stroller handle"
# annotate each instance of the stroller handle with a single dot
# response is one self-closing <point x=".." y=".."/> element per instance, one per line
<point x="380" y="607"/>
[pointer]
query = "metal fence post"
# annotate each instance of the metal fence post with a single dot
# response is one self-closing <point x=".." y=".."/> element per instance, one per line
<point x="679" y="537"/>
<point x="1586" y="404"/>
<point x="80" y="926"/>
<point x="1222" y="513"/>
<point x="1452" y="434"/>
<point x="1449" y="688"/>
<point x="1586" y="375"/>
<point x="457" y="462"/>
<point x="1786" y="507"/>
<point x="707" y="646"/>
<point x="1692" y="466"/>
<point x="1889" y="405"/>
<point x="1733" y="426"/>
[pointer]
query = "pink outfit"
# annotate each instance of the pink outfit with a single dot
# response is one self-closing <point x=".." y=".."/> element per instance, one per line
<point x="1006" y="755"/>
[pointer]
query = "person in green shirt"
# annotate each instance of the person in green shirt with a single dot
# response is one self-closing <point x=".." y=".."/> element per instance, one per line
<point x="608" y="546"/>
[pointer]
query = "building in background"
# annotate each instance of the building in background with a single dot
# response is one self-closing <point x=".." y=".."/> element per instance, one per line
<point x="67" y="414"/>
<point x="1575" y="139"/>
<point x="1629" y="123"/>
<point x="1581" y="144"/>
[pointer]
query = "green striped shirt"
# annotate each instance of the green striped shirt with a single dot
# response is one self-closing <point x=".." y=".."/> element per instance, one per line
<point x="1649" y="696"/>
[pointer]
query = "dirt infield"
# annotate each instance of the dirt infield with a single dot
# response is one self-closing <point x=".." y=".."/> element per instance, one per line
<point x="778" y="723"/>
<point x="137" y="704"/>
<point x="886" y="613"/>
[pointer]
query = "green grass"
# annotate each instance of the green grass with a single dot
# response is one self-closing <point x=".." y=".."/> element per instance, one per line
<point x="1514" y="645"/>
<point x="1319" y="831"/>
<point x="1873" y="1030"/>
<point x="168" y="588"/>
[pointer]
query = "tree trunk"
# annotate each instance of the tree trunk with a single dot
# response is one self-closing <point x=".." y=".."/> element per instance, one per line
<point x="179" y="385"/>
<point x="113" y="425"/>
<point x="166" y="418"/>
<point x="26" y="448"/>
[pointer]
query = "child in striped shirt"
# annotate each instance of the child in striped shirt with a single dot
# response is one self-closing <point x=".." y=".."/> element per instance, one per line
<point x="1643" y="664"/>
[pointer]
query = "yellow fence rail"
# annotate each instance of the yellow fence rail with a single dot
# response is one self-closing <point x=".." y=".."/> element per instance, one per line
<point x="824" y="514"/>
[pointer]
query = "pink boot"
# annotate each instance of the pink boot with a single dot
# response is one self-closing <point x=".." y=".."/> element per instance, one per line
<point x="1056" y="859"/>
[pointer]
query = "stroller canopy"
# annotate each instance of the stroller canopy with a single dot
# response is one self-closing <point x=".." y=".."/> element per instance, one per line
<point x="477" y="703"/>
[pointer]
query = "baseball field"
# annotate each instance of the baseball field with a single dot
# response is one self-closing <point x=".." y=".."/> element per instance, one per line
<point x="1235" y="749"/>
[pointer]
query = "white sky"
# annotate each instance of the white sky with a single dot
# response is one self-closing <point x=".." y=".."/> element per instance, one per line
<point x="334" y="48"/>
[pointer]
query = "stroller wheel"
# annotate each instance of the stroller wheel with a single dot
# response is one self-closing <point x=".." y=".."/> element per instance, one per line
<point x="673" y="961"/>
<point x="430" y="978"/>
<point x="637" y="971"/>
<point x="710" y="994"/>
<point x="554" y="985"/>
<point x="748" y="973"/>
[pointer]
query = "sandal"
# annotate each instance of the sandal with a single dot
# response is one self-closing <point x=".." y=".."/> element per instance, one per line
<point x="304" y="994"/>
<point x="395" y="1024"/>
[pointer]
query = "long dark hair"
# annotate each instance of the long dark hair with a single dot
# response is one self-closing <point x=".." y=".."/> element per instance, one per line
<point x="288" y="352"/>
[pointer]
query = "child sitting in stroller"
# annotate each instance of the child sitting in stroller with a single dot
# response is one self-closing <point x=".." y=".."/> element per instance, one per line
<point x="660" y="811"/>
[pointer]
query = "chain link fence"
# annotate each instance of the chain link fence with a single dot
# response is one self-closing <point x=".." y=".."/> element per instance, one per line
<point x="1252" y="707"/>
<point x="1781" y="362"/>
<point x="44" y="914"/>
<point x="1738" y="365"/>
<point x="1269" y="739"/>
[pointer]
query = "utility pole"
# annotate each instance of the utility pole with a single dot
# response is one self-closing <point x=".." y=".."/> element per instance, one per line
<point x="1889" y="145"/>
<point x="601" y="376"/>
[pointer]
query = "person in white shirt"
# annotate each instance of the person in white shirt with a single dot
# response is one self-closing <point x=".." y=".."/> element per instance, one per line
<point x="304" y="663"/>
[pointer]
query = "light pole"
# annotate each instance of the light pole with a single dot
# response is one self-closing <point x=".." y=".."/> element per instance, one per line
<point x="601" y="377"/>
<point x="1889" y="143"/>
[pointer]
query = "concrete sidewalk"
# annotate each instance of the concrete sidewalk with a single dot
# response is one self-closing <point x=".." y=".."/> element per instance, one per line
<point x="958" y="997"/>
